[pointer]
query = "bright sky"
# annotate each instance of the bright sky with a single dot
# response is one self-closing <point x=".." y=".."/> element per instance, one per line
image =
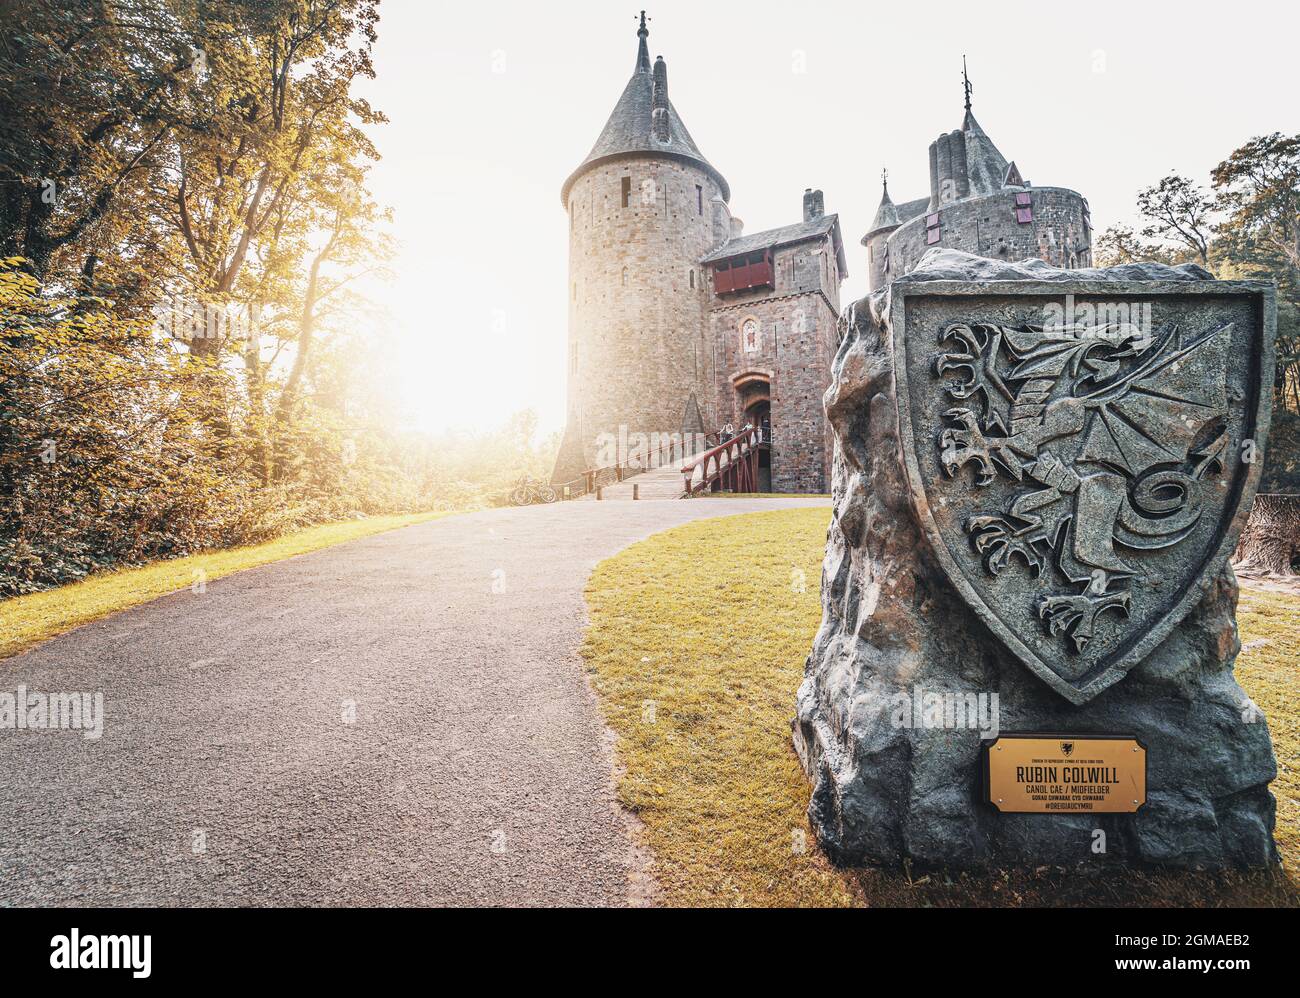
<point x="493" y="104"/>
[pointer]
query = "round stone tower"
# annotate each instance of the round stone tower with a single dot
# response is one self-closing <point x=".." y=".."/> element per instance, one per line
<point x="644" y="207"/>
<point x="879" y="272"/>
<point x="980" y="204"/>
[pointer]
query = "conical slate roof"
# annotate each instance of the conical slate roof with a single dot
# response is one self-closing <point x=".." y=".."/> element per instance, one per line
<point x="629" y="130"/>
<point x="886" y="214"/>
<point x="986" y="166"/>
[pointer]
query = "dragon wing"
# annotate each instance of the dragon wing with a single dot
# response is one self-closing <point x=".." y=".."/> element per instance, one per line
<point x="1153" y="415"/>
<point x="1046" y="353"/>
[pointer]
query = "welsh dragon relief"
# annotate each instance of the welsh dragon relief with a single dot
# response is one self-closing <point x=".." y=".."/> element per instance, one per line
<point x="1109" y="435"/>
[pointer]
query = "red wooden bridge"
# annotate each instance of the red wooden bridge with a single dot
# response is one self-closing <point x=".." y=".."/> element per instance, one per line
<point x="729" y="466"/>
<point x="732" y="466"/>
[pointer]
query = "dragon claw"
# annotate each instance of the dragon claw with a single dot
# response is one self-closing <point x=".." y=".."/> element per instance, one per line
<point x="997" y="541"/>
<point x="974" y="350"/>
<point x="959" y="445"/>
<point x="1076" y="615"/>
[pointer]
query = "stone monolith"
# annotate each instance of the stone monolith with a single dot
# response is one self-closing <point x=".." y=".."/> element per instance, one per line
<point x="1038" y="478"/>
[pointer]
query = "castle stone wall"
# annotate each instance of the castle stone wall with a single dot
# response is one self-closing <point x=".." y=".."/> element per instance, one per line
<point x="1059" y="234"/>
<point x="797" y="323"/>
<point x="877" y="259"/>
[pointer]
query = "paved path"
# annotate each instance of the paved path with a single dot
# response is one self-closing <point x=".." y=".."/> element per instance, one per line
<point x="476" y="770"/>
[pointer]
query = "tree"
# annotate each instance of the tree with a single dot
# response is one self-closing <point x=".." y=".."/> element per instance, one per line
<point x="1120" y="244"/>
<point x="1256" y="200"/>
<point x="1258" y="190"/>
<point x="289" y="119"/>
<point x="1178" y="211"/>
<point x="1270" y="544"/>
<point x="90" y="90"/>
<point x="104" y="451"/>
<point x="1258" y="187"/>
<point x="202" y="161"/>
<point x="208" y="156"/>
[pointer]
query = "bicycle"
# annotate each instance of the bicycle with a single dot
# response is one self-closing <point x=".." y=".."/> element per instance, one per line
<point x="528" y="491"/>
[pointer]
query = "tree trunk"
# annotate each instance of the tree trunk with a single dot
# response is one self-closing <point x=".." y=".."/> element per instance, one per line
<point x="1271" y="541"/>
<point x="284" y="410"/>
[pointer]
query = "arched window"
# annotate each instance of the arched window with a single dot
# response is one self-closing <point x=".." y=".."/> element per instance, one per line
<point x="692" y="279"/>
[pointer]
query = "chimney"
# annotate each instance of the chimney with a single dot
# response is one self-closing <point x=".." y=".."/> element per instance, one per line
<point x="659" y="101"/>
<point x="737" y="227"/>
<point x="813" y="205"/>
<point x="721" y="220"/>
<point x="947" y="185"/>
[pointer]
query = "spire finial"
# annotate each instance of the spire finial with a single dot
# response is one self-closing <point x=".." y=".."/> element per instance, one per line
<point x="884" y="178"/>
<point x="643" y="50"/>
<point x="965" y="82"/>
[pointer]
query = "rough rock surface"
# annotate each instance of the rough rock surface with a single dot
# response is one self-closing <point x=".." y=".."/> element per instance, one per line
<point x="892" y="622"/>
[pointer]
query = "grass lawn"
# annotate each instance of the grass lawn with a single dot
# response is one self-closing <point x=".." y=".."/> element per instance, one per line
<point x="1269" y="669"/>
<point x="696" y="662"/>
<point x="28" y="620"/>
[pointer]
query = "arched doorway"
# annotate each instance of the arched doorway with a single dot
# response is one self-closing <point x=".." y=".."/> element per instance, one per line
<point x="754" y="406"/>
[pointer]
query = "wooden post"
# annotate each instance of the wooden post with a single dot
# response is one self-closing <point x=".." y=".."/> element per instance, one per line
<point x="600" y="492"/>
<point x="636" y="491"/>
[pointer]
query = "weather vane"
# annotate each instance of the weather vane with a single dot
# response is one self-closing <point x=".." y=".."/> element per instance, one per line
<point x="965" y="81"/>
<point x="884" y="176"/>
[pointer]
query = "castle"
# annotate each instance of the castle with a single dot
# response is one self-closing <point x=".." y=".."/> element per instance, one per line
<point x="979" y="204"/>
<point x="681" y="324"/>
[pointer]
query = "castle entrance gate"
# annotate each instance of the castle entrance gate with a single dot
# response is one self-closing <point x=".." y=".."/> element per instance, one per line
<point x="754" y="406"/>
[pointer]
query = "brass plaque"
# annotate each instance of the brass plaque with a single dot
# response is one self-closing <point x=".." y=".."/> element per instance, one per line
<point x="1065" y="774"/>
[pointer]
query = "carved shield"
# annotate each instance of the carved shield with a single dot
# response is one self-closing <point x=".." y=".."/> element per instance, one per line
<point x="1082" y="456"/>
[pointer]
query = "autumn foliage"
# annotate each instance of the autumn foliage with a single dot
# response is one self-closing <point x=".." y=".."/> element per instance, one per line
<point x="188" y="356"/>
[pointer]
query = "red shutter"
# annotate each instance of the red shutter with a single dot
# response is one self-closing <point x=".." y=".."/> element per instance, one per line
<point x="1024" y="208"/>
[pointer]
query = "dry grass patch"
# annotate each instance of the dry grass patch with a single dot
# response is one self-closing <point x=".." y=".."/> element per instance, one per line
<point x="1269" y="670"/>
<point x="696" y="647"/>
<point x="29" y="620"/>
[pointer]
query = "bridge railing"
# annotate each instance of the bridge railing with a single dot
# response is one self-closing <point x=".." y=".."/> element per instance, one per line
<point x="732" y="466"/>
<point x="611" y="474"/>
